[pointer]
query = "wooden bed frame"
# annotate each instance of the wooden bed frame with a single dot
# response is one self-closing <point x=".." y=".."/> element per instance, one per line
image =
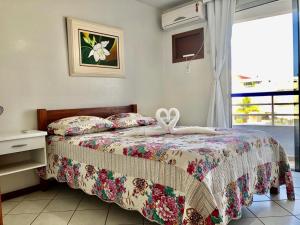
<point x="46" y="117"/>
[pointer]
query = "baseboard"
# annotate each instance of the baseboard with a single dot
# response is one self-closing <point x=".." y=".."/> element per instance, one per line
<point x="18" y="193"/>
<point x="44" y="185"/>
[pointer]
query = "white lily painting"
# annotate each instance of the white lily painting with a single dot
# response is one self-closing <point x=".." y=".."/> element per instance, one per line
<point x="98" y="49"/>
<point x="95" y="49"/>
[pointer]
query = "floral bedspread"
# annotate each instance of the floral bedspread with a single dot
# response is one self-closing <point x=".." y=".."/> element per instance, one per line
<point x="172" y="179"/>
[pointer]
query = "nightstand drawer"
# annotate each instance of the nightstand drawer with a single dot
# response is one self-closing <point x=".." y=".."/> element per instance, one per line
<point x="19" y="145"/>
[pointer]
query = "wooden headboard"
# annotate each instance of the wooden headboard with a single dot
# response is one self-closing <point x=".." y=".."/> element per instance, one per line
<point x="46" y="117"/>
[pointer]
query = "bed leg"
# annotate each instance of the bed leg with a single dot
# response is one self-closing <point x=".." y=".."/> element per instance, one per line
<point x="44" y="184"/>
<point x="274" y="191"/>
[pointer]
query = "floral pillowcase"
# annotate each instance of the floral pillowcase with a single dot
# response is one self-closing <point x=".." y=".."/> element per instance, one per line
<point x="127" y="120"/>
<point x="78" y="125"/>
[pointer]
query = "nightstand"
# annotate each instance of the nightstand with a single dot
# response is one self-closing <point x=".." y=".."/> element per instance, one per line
<point x="21" y="151"/>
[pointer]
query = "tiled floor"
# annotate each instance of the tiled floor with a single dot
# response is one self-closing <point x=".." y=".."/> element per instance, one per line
<point x="63" y="206"/>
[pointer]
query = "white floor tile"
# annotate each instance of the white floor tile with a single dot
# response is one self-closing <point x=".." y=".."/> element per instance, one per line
<point x="92" y="202"/>
<point x="118" y="216"/>
<point x="286" y="220"/>
<point x="260" y="198"/>
<point x="53" y="218"/>
<point x="268" y="208"/>
<point x="246" y="221"/>
<point x="69" y="193"/>
<point x="292" y="206"/>
<point x="297" y="192"/>
<point x="60" y="205"/>
<point x="297" y="182"/>
<point x="93" y="211"/>
<point x="29" y="207"/>
<point x="246" y="213"/>
<point x="296" y="174"/>
<point x="17" y="199"/>
<point x="41" y="195"/>
<point x="20" y="219"/>
<point x="89" y="217"/>
<point x="7" y="206"/>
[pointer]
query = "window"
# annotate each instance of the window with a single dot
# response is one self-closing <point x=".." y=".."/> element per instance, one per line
<point x="262" y="62"/>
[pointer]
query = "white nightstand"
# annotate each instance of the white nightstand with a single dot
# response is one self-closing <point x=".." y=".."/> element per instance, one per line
<point x="22" y="151"/>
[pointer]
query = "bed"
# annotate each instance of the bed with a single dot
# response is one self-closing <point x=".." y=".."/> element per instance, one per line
<point x="170" y="179"/>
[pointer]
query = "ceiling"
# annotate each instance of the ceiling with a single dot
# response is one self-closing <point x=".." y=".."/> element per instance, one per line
<point x="164" y="4"/>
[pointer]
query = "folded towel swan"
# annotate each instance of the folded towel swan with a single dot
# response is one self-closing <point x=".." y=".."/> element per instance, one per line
<point x="167" y="125"/>
<point x="171" y="123"/>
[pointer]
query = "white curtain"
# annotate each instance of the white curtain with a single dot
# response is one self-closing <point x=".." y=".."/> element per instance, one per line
<point x="220" y="15"/>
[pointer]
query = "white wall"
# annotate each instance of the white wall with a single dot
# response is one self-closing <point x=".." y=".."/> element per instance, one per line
<point x="34" y="62"/>
<point x="190" y="93"/>
<point x="34" y="59"/>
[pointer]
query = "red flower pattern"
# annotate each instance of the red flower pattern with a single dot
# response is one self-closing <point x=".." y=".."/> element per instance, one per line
<point x="167" y="208"/>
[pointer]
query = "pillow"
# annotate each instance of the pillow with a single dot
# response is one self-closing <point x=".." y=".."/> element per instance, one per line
<point x="126" y="120"/>
<point x="78" y="125"/>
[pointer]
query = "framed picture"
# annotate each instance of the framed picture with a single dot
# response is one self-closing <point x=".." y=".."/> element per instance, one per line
<point x="94" y="49"/>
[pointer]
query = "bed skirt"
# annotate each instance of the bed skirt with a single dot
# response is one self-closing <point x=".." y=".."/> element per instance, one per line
<point x="161" y="203"/>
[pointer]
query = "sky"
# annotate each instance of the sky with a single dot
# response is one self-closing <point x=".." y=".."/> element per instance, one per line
<point x="263" y="50"/>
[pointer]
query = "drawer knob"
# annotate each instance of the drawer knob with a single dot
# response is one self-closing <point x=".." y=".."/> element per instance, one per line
<point x="19" y="146"/>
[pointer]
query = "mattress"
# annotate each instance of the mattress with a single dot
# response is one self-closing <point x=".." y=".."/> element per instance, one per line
<point x="172" y="179"/>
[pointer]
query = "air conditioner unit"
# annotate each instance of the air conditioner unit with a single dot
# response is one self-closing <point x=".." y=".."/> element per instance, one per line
<point x="183" y="14"/>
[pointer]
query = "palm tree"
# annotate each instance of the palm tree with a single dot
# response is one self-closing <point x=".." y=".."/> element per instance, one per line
<point x="245" y="108"/>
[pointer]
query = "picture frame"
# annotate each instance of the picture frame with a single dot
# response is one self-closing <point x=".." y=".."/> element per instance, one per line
<point x="95" y="49"/>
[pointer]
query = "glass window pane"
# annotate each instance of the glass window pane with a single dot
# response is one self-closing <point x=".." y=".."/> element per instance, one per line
<point x="285" y="120"/>
<point x="251" y="120"/>
<point x="251" y="100"/>
<point x="262" y="55"/>
<point x="252" y="109"/>
<point x="286" y="99"/>
<point x="286" y="109"/>
<point x="296" y="85"/>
